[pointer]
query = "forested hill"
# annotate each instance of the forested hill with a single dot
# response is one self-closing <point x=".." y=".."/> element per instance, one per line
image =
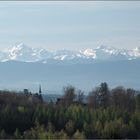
<point x="107" y="113"/>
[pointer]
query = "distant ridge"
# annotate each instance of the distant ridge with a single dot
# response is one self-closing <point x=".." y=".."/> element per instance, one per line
<point x="21" y="52"/>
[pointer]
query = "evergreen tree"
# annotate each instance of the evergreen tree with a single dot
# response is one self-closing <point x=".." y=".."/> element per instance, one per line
<point x="2" y="134"/>
<point x="138" y="103"/>
<point x="78" y="135"/>
<point x="17" y="134"/>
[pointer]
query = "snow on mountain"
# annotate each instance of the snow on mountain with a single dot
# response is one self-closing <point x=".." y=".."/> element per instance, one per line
<point x="21" y="52"/>
<point x="90" y="53"/>
<point x="66" y="54"/>
<point x="135" y="52"/>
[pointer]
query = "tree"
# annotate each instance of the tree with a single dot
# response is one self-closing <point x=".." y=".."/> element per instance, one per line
<point x="61" y="135"/>
<point x="2" y="134"/>
<point x="26" y="91"/>
<point x="138" y="103"/>
<point x="50" y="127"/>
<point x="104" y="95"/>
<point x="100" y="97"/>
<point x="78" y="135"/>
<point x="118" y="97"/>
<point x="37" y="132"/>
<point x="87" y="130"/>
<point x="80" y="96"/>
<point x="17" y="134"/>
<point x="70" y="127"/>
<point x="130" y="99"/>
<point x="123" y="99"/>
<point x="98" y="128"/>
<point x="93" y="101"/>
<point x="69" y="94"/>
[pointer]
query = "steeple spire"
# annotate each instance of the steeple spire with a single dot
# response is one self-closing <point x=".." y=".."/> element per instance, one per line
<point x="40" y="89"/>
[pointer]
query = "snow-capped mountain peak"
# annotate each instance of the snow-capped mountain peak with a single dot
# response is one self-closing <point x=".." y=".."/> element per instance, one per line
<point x="136" y="52"/>
<point x="22" y="52"/>
<point x="90" y="53"/>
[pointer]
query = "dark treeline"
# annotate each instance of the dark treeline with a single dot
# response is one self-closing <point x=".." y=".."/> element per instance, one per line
<point x="104" y="113"/>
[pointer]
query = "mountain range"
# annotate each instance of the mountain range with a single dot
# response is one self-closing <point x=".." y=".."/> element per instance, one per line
<point x="25" y="67"/>
<point x="21" y="52"/>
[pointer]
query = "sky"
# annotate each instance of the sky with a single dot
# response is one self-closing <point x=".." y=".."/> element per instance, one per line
<point x="70" y="25"/>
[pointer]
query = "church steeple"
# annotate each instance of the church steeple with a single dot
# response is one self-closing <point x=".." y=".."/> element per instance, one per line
<point x="40" y="89"/>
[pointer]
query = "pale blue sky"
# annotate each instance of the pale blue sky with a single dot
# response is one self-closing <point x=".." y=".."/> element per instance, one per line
<point x="70" y="25"/>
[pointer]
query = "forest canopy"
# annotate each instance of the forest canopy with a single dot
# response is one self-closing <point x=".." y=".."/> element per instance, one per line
<point x="103" y="113"/>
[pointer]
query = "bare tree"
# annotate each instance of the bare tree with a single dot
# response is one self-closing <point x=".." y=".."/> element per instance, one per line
<point x="80" y="96"/>
<point x="69" y="94"/>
